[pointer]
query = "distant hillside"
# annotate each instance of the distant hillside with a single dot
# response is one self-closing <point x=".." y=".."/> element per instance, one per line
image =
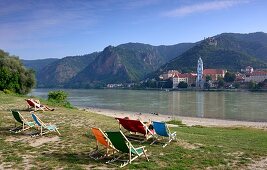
<point x="39" y="64"/>
<point x="126" y="63"/>
<point x="57" y="73"/>
<point x="133" y="62"/>
<point x="254" y="44"/>
<point x="229" y="51"/>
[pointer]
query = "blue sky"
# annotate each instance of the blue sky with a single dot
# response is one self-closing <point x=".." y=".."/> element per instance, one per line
<point x="34" y="29"/>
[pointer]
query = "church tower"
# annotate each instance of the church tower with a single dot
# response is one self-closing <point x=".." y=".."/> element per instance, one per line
<point x="199" y="80"/>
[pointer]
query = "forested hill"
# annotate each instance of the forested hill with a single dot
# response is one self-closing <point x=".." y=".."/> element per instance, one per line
<point x="39" y="64"/>
<point x="125" y="63"/>
<point x="132" y="62"/>
<point x="227" y="51"/>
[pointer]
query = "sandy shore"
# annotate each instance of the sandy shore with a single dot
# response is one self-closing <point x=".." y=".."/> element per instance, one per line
<point x="189" y="121"/>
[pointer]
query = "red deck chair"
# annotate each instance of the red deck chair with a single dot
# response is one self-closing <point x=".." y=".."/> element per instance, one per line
<point x="135" y="126"/>
<point x="32" y="104"/>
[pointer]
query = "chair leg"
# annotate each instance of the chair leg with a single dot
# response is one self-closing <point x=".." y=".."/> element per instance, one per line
<point x="144" y="151"/>
<point x="58" y="131"/>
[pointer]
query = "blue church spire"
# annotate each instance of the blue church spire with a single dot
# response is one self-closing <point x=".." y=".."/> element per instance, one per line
<point x="199" y="80"/>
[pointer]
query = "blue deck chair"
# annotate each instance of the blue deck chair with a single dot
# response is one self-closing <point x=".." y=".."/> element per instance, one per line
<point x="43" y="126"/>
<point x="20" y="119"/>
<point x="162" y="130"/>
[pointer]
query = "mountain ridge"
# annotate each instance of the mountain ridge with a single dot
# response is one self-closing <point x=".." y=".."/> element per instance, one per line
<point x="132" y="62"/>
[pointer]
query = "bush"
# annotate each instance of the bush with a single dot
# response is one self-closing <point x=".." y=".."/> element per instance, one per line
<point x="6" y="91"/>
<point x="182" y="85"/>
<point x="57" y="96"/>
<point x="60" y="98"/>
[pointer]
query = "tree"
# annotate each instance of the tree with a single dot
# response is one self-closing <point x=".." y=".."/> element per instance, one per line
<point x="182" y="84"/>
<point x="252" y="85"/>
<point x="14" y="76"/>
<point x="208" y="78"/>
<point x="229" y="77"/>
<point x="220" y="83"/>
<point x="236" y="85"/>
<point x="260" y="85"/>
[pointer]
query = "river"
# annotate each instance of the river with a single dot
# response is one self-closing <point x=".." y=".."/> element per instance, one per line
<point x="246" y="106"/>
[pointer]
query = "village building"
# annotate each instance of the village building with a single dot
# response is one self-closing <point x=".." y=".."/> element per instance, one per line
<point x="189" y="78"/>
<point x="256" y="76"/>
<point x="169" y="74"/>
<point x="214" y="73"/>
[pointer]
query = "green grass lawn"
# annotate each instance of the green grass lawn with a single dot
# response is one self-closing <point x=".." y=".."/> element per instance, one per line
<point x="196" y="148"/>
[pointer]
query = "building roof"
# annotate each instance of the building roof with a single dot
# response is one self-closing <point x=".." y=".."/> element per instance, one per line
<point x="258" y="73"/>
<point x="185" y="75"/>
<point x="213" y="71"/>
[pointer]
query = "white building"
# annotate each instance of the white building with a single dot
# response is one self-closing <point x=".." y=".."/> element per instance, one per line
<point x="256" y="76"/>
<point x="188" y="78"/>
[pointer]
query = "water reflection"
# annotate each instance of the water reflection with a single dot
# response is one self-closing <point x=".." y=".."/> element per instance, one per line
<point x="200" y="104"/>
<point x="221" y="105"/>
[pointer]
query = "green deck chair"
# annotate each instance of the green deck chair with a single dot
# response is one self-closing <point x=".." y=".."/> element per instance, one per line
<point x="20" y="119"/>
<point x="122" y="144"/>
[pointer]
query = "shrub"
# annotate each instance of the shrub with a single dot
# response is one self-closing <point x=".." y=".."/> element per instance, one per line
<point x="57" y="96"/>
<point x="6" y="91"/>
<point x="60" y="98"/>
<point x="182" y="85"/>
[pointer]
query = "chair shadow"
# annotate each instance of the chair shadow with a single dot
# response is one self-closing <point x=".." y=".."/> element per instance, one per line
<point x="5" y="131"/>
<point x="75" y="158"/>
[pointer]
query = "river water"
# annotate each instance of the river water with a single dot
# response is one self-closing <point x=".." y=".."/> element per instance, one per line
<point x="247" y="106"/>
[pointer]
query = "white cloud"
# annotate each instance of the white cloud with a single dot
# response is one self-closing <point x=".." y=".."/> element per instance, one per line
<point x="203" y="7"/>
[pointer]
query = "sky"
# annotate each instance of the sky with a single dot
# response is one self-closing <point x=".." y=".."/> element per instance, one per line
<point x="38" y="29"/>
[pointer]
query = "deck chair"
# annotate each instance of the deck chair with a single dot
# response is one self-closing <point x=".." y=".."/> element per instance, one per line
<point x="135" y="127"/>
<point x="122" y="144"/>
<point x="163" y="131"/>
<point x="44" y="128"/>
<point x="101" y="138"/>
<point x="20" y="119"/>
<point x="36" y="106"/>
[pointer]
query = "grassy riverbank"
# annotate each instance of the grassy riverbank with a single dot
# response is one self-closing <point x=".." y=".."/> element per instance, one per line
<point x="197" y="147"/>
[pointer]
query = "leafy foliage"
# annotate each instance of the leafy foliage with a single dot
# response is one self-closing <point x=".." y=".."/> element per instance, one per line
<point x="182" y="84"/>
<point x="14" y="76"/>
<point x="59" y="97"/>
<point x="229" y="77"/>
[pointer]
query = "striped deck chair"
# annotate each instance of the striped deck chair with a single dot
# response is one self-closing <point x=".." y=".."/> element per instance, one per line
<point x="135" y="127"/>
<point x="122" y="144"/>
<point x="44" y="128"/>
<point x="163" y="131"/>
<point x="101" y="138"/>
<point x="20" y="119"/>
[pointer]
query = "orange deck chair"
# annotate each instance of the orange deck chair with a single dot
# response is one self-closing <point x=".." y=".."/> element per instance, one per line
<point x="101" y="138"/>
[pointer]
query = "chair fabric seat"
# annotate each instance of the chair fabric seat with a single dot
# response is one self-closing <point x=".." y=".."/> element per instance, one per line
<point x="137" y="151"/>
<point x="31" y="124"/>
<point x="51" y="127"/>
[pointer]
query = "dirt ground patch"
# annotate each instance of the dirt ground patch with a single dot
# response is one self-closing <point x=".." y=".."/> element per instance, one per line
<point x="33" y="141"/>
<point x="258" y="164"/>
<point x="186" y="145"/>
